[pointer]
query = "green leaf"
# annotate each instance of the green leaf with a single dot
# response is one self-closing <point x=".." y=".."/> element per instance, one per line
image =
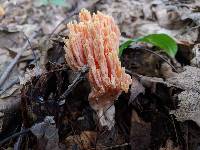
<point x="124" y="46"/>
<point x="58" y="2"/>
<point x="163" y="41"/>
<point x="62" y="3"/>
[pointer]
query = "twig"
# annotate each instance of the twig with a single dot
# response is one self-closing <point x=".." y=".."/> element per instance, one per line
<point x="14" y="135"/>
<point x="75" y="11"/>
<point x="117" y="146"/>
<point x="112" y="147"/>
<point x="65" y="19"/>
<point x="9" y="85"/>
<point x="19" y="140"/>
<point x="105" y="112"/>
<point x="99" y="121"/>
<point x="13" y="63"/>
<point x="133" y="73"/>
<point x="150" y="51"/>
<point x="177" y="139"/>
<point x="34" y="55"/>
<point x="77" y="80"/>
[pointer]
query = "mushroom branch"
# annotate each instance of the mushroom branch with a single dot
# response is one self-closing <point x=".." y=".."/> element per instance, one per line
<point x="94" y="41"/>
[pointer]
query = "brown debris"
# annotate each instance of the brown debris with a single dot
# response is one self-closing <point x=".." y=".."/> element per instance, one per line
<point x="140" y="133"/>
<point x="84" y="141"/>
<point x="2" y="12"/>
<point x="146" y="122"/>
<point x="169" y="146"/>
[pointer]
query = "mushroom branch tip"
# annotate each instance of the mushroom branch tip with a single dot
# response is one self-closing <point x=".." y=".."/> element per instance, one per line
<point x="94" y="41"/>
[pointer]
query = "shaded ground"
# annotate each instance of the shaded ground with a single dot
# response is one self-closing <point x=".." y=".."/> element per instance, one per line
<point x="144" y="120"/>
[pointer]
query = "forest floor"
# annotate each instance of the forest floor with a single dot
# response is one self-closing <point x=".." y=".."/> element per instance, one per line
<point x="44" y="104"/>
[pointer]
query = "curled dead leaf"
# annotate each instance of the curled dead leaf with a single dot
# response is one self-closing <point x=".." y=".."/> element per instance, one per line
<point x="136" y="89"/>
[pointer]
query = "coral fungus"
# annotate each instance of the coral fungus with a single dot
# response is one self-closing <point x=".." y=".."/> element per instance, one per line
<point x="94" y="41"/>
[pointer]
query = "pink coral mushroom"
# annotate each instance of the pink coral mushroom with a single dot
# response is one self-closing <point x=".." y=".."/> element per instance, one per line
<point x="94" y="41"/>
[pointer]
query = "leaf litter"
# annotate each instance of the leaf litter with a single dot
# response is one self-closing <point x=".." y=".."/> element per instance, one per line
<point x="152" y="115"/>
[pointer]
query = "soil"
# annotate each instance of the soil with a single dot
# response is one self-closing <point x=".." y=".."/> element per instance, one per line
<point x="142" y="123"/>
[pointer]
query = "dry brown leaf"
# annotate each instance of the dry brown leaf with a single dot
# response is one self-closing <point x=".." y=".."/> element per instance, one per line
<point x="46" y="131"/>
<point x="140" y="132"/>
<point x="14" y="90"/>
<point x="136" y="89"/>
<point x="166" y="70"/>
<point x="2" y="12"/>
<point x="29" y="74"/>
<point x="10" y="103"/>
<point x="84" y="141"/>
<point x="169" y="146"/>
<point x="143" y="17"/>
<point x="189" y="106"/>
<point x="196" y="60"/>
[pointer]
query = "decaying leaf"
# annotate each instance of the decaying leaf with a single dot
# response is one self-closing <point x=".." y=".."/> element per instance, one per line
<point x="196" y="60"/>
<point x="10" y="103"/>
<point x="189" y="106"/>
<point x="169" y="146"/>
<point x="166" y="71"/>
<point x="9" y="92"/>
<point x="140" y="18"/>
<point x="49" y="132"/>
<point x="29" y="74"/>
<point x="86" y="140"/>
<point x="187" y="80"/>
<point x="185" y="53"/>
<point x="2" y="12"/>
<point x="140" y="133"/>
<point x="136" y="89"/>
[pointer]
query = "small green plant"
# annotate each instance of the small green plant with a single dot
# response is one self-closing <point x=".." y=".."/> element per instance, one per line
<point x="162" y="41"/>
<point x="52" y="2"/>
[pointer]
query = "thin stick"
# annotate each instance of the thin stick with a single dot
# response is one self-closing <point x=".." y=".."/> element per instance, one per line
<point x="77" y="80"/>
<point x="34" y="55"/>
<point x="9" y="85"/>
<point x="19" y="140"/>
<point x="14" y="135"/>
<point x="13" y="63"/>
<point x="65" y="19"/>
<point x="74" y="12"/>
<point x="117" y="146"/>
